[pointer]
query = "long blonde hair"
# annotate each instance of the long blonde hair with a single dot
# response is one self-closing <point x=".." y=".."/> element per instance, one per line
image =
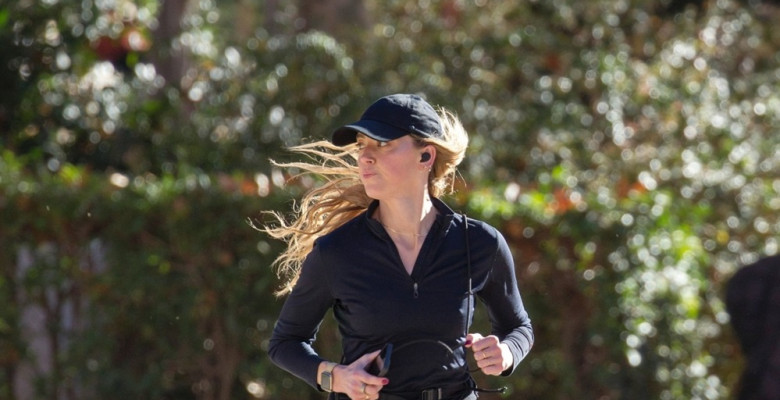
<point x="342" y="196"/>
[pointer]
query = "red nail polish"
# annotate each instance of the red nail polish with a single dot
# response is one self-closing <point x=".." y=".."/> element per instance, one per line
<point x="385" y="381"/>
<point x="468" y="342"/>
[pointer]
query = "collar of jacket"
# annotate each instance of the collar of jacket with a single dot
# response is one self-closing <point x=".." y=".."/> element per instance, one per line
<point x="443" y="223"/>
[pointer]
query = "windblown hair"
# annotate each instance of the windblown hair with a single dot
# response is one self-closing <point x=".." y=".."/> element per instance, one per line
<point x="343" y="197"/>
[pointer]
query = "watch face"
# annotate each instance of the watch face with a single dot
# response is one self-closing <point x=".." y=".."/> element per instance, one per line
<point x="326" y="381"/>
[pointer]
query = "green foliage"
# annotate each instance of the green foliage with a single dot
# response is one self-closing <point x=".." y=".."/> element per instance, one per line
<point x="169" y="282"/>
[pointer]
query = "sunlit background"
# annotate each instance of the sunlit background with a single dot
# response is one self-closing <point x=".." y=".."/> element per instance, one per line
<point x="627" y="150"/>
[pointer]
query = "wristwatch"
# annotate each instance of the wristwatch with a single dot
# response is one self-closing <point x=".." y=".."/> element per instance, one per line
<point x="326" y="377"/>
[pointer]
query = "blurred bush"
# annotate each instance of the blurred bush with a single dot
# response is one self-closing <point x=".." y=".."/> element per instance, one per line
<point x="153" y="287"/>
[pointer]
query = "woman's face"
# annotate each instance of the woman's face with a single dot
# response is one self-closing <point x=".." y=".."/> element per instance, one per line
<point x="391" y="169"/>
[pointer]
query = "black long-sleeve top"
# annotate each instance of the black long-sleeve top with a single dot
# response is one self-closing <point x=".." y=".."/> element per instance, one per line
<point x="357" y="272"/>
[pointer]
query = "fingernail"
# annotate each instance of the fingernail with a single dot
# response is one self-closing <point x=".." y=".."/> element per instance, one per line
<point x="385" y="381"/>
<point x="468" y="342"/>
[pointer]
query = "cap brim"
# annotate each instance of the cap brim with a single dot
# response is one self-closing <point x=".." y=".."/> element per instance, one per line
<point x="375" y="130"/>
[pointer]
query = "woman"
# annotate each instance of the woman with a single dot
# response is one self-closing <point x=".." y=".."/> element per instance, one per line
<point x="395" y="264"/>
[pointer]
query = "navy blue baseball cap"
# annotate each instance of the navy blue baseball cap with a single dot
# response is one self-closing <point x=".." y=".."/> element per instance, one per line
<point x="390" y="118"/>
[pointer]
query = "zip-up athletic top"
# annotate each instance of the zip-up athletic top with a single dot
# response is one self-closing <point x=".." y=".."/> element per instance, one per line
<point x="356" y="270"/>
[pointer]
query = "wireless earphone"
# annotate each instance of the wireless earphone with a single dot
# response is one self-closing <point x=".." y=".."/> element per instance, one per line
<point x="425" y="157"/>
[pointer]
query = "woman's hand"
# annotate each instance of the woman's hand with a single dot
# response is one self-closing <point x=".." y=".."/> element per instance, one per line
<point x="492" y="356"/>
<point x="355" y="382"/>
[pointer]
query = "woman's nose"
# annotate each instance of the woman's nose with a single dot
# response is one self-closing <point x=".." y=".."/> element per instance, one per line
<point x="366" y="157"/>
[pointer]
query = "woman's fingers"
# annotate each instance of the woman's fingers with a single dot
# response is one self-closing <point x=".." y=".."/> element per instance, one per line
<point x="491" y="355"/>
<point x="359" y="384"/>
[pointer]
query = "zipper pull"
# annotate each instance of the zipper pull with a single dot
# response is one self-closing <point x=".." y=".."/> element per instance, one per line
<point x="416" y="294"/>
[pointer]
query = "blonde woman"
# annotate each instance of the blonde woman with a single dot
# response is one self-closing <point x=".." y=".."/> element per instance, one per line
<point x="395" y="264"/>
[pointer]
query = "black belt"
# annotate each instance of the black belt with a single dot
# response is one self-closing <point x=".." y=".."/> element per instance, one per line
<point x="461" y="390"/>
<point x="440" y="393"/>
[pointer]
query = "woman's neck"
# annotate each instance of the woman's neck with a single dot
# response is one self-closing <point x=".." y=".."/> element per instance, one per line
<point x="410" y="218"/>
